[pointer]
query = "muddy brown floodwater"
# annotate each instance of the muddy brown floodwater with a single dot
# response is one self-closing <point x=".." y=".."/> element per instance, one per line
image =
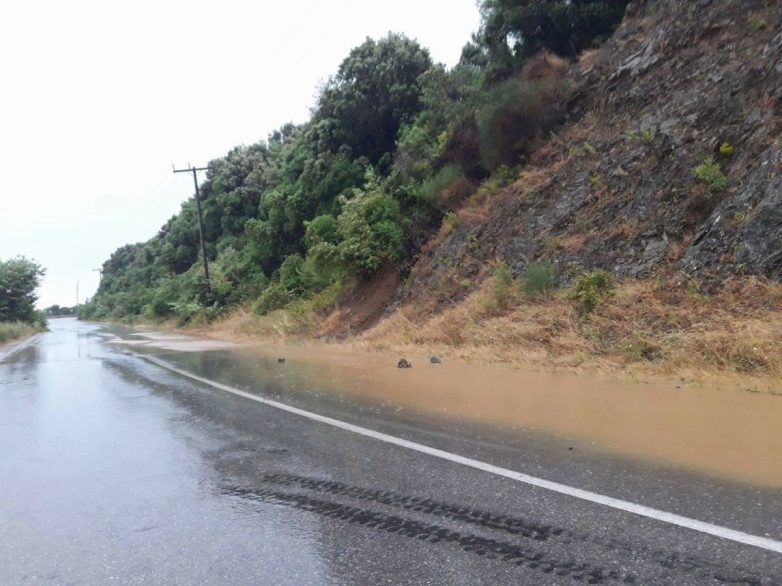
<point x="733" y="434"/>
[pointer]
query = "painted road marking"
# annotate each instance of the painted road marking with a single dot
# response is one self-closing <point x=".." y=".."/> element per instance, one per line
<point x="673" y="519"/>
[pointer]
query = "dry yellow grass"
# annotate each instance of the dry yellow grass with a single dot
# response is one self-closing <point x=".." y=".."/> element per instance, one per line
<point x="649" y="329"/>
<point x="10" y="331"/>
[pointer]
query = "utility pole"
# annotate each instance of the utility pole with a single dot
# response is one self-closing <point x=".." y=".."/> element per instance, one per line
<point x="200" y="216"/>
<point x="77" y="293"/>
<point x="100" y="274"/>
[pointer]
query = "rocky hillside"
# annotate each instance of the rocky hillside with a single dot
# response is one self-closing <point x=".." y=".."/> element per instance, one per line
<point x="670" y="162"/>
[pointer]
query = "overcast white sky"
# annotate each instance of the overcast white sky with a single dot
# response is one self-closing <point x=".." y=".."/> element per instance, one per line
<point x="99" y="98"/>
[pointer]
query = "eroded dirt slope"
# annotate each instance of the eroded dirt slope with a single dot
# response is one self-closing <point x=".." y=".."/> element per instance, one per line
<point x="615" y="188"/>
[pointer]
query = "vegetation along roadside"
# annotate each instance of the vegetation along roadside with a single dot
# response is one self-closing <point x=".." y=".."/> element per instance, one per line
<point x="19" y="278"/>
<point x="556" y="198"/>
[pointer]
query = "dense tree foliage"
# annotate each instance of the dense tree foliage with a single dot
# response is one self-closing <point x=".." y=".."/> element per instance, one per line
<point x="394" y="142"/>
<point x="19" y="278"/>
<point x="514" y="30"/>
<point x="375" y="91"/>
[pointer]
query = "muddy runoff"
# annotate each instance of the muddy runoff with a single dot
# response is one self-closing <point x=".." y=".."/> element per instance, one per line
<point x="732" y="434"/>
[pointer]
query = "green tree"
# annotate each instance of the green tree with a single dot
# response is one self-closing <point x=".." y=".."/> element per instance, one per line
<point x="513" y="30"/>
<point x="370" y="228"/>
<point x="19" y="278"/>
<point x="374" y="92"/>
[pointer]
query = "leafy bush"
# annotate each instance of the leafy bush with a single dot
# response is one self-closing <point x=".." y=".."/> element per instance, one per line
<point x="462" y="147"/>
<point x="451" y="221"/>
<point x="502" y="293"/>
<point x="274" y="297"/>
<point x="19" y="278"/>
<point x="303" y="315"/>
<point x="187" y="312"/>
<point x="236" y="276"/>
<point x="370" y="228"/>
<point x="290" y="274"/>
<point x="159" y="307"/>
<point x="513" y="115"/>
<point x="320" y="230"/>
<point x="447" y="188"/>
<point x="710" y="173"/>
<point x="417" y="148"/>
<point x="539" y="280"/>
<point x="591" y="290"/>
<point x="505" y="176"/>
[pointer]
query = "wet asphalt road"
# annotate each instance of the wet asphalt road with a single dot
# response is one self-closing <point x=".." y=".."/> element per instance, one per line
<point x="113" y="470"/>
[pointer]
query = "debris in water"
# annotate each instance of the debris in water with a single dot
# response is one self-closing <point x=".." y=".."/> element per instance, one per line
<point x="281" y="360"/>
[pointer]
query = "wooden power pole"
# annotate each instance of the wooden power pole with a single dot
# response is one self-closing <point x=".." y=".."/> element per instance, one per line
<point x="194" y="170"/>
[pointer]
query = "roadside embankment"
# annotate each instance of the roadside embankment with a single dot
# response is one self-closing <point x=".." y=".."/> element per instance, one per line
<point x="646" y="330"/>
<point x="18" y="335"/>
<point x="16" y="330"/>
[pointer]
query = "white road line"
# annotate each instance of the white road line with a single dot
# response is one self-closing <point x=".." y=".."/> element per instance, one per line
<point x="703" y="527"/>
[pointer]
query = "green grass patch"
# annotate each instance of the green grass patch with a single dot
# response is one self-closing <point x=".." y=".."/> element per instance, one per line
<point x="539" y="280"/>
<point x="710" y="173"/>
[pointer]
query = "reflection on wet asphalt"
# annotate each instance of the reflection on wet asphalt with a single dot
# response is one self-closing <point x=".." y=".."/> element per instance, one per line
<point x="113" y="470"/>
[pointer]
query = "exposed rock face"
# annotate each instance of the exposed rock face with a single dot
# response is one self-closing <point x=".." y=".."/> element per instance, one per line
<point x="616" y="188"/>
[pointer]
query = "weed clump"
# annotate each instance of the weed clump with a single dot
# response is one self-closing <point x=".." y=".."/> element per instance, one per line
<point x="739" y="217"/>
<point x="726" y="149"/>
<point x="15" y="329"/>
<point x="538" y="280"/>
<point x="710" y="173"/>
<point x="451" y="221"/>
<point x="502" y="292"/>
<point x="592" y="290"/>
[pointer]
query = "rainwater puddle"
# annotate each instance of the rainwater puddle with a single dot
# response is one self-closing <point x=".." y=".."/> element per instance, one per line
<point x="734" y="434"/>
<point x="172" y="342"/>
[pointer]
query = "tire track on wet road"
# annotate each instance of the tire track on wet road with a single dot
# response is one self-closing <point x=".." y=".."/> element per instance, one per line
<point x="527" y="529"/>
<point x="585" y="495"/>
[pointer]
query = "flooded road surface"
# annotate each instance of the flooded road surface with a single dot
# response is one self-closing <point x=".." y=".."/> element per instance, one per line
<point x="725" y="432"/>
<point x="113" y="470"/>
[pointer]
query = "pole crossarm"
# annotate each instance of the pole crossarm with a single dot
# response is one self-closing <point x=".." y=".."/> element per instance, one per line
<point x="191" y="169"/>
